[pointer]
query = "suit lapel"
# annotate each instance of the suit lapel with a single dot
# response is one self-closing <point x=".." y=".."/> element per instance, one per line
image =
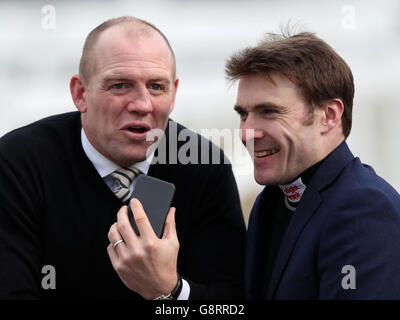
<point x="256" y="245"/>
<point x="305" y="210"/>
<point x="310" y="202"/>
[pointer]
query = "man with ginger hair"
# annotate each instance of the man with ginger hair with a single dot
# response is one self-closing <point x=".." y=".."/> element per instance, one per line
<point x="64" y="227"/>
<point x="325" y="226"/>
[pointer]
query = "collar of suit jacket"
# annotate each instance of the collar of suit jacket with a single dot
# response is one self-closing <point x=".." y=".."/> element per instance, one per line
<point x="295" y="189"/>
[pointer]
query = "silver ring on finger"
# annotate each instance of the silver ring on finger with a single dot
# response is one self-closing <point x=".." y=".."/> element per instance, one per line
<point x="117" y="243"/>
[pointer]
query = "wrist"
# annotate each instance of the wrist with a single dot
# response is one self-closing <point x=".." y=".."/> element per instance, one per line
<point x="178" y="288"/>
<point x="174" y="294"/>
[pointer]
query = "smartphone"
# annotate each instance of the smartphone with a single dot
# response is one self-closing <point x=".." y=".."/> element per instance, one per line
<point x="156" y="196"/>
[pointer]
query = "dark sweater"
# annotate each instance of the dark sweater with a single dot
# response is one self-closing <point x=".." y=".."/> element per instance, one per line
<point x="56" y="210"/>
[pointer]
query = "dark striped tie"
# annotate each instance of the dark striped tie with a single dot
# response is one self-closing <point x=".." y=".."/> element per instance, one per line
<point x="124" y="178"/>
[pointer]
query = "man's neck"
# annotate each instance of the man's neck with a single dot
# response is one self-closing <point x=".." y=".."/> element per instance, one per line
<point x="103" y="165"/>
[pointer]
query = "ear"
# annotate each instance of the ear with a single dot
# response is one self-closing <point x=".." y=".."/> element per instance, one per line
<point x="332" y="111"/>
<point x="78" y="92"/>
<point x="174" y="90"/>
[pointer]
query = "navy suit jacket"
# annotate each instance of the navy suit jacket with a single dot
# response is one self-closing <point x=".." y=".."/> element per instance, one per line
<point x="348" y="216"/>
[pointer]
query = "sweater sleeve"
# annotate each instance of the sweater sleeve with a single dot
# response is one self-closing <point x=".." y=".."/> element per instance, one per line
<point x="20" y="245"/>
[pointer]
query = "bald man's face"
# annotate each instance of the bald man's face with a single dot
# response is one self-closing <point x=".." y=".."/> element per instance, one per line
<point x="131" y="90"/>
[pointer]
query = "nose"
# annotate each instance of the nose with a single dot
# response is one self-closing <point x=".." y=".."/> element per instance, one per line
<point x="140" y="101"/>
<point x="250" y="130"/>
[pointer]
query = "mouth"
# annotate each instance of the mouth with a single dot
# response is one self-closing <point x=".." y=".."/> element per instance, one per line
<point x="266" y="153"/>
<point x="138" y="129"/>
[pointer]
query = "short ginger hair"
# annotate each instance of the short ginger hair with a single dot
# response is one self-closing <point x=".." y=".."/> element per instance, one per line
<point x="86" y="65"/>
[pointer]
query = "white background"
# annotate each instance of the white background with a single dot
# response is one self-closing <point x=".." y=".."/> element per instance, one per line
<point x="36" y="62"/>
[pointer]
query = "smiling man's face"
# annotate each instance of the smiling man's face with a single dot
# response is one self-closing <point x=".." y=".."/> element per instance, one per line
<point x="286" y="139"/>
<point x="131" y="90"/>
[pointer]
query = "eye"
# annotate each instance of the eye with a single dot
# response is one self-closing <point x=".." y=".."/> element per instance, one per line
<point x="119" y="86"/>
<point x="242" y="114"/>
<point x="156" y="86"/>
<point x="267" y="111"/>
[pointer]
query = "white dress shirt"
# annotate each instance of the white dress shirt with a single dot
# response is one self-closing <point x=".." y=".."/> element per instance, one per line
<point x="105" y="167"/>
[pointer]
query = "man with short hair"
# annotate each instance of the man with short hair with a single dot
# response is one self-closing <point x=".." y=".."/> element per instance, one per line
<point x="61" y="177"/>
<point x="325" y="226"/>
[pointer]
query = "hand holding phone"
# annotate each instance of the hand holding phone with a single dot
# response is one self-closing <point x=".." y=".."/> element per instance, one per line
<point x="144" y="264"/>
<point x="155" y="196"/>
